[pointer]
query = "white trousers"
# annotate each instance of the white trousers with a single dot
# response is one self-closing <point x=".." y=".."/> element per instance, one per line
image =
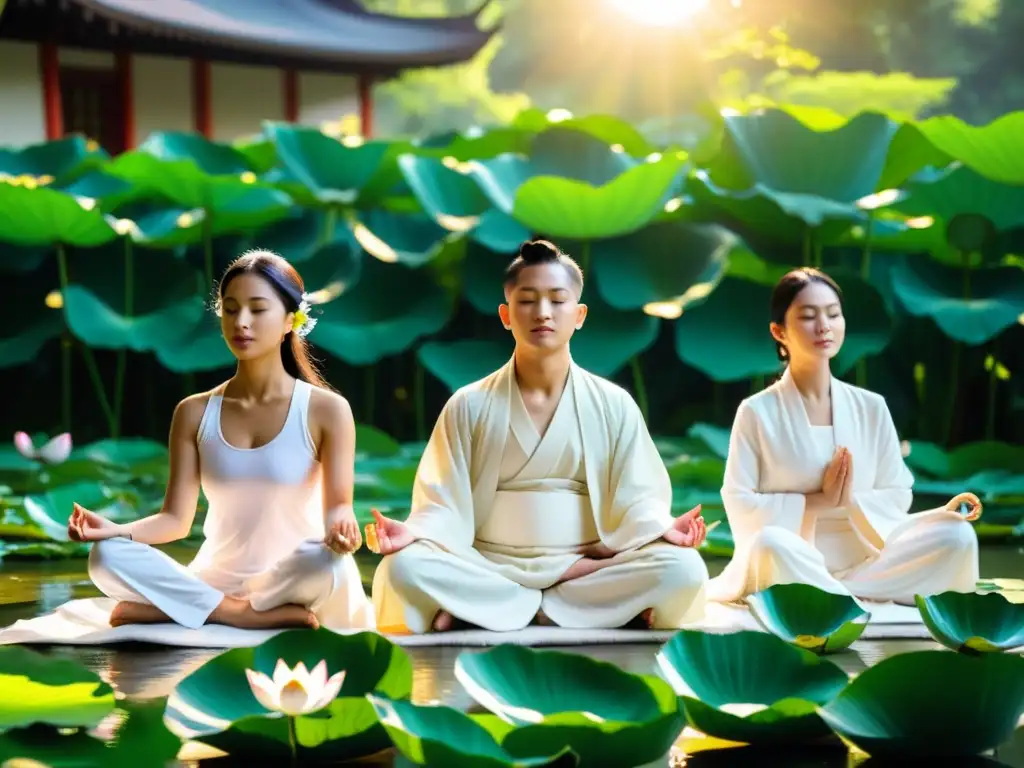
<point x="313" y="576"/>
<point x="412" y="585"/>
<point x="930" y="554"/>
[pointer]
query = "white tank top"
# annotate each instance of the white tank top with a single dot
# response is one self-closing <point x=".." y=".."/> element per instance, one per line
<point x="263" y="502"/>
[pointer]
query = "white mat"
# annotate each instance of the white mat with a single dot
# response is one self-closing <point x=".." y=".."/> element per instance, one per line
<point x="84" y="622"/>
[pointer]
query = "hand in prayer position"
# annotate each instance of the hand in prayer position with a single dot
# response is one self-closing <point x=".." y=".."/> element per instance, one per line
<point x="836" y="483"/>
<point x="970" y="500"/>
<point x="88" y="526"/>
<point x="386" y="536"/>
<point x="343" y="535"/>
<point x="688" y="530"/>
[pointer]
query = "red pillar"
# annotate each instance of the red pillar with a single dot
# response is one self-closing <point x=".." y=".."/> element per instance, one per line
<point x="202" y="98"/>
<point x="49" y="69"/>
<point x="366" y="105"/>
<point x="125" y="82"/>
<point x="290" y="84"/>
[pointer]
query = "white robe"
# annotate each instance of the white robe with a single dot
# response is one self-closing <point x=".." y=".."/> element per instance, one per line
<point x="873" y="550"/>
<point x="501" y="512"/>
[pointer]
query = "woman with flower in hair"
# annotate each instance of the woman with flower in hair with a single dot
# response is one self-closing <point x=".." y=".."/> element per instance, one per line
<point x="273" y="451"/>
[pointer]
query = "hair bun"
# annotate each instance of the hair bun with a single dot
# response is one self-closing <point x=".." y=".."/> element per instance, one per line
<point x="538" y="251"/>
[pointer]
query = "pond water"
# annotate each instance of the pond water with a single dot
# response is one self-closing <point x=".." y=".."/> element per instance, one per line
<point x="144" y="672"/>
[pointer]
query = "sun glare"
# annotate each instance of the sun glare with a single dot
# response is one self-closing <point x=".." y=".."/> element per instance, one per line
<point x="660" y="13"/>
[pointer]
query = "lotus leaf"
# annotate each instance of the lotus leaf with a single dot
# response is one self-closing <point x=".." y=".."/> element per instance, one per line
<point x="388" y="308"/>
<point x="969" y="306"/>
<point x="410" y="239"/>
<point x="973" y="623"/>
<point x="992" y="150"/>
<point x="448" y="195"/>
<point x="214" y="704"/>
<point x="109" y="192"/>
<point x="63" y="160"/>
<point x="674" y="263"/>
<point x="605" y="128"/>
<point x="964" y="460"/>
<point x="750" y="687"/>
<point x="808" y="617"/>
<point x="48" y="512"/>
<point x="959" y="191"/>
<point x="47" y="217"/>
<point x="562" y="207"/>
<point x="434" y="735"/>
<point x="558" y="152"/>
<point x="931" y="704"/>
<point x="475" y="143"/>
<point x="29" y="323"/>
<point x="138" y="732"/>
<point x="210" y="157"/>
<point x="298" y="236"/>
<point x="325" y="171"/>
<point x="715" y="438"/>
<point x="54" y="691"/>
<point x="457" y="363"/>
<point x="499" y="232"/>
<point x="605" y="715"/>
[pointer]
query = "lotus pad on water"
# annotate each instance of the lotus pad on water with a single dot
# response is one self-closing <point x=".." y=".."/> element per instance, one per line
<point x="216" y="705"/>
<point x="58" y="692"/>
<point x="809" y="617"/>
<point x="607" y="716"/>
<point x="750" y="686"/>
<point x="442" y="736"/>
<point x="973" y="623"/>
<point x="931" y="704"/>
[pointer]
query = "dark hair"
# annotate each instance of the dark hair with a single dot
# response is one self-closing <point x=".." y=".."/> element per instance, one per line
<point x="287" y="283"/>
<point x="786" y="290"/>
<point x="534" y="252"/>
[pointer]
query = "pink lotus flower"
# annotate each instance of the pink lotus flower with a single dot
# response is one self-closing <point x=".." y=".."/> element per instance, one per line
<point x="55" y="451"/>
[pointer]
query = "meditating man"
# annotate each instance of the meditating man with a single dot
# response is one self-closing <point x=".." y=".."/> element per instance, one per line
<point x="540" y="495"/>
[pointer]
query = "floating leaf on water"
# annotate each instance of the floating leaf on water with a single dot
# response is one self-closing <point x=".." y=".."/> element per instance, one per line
<point x="973" y="623"/>
<point x="809" y="617"/>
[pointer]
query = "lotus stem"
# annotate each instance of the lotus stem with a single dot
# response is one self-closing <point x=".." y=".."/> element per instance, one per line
<point x="807" y="247"/>
<point x="330" y="219"/>
<point x="990" y="420"/>
<point x="293" y="741"/>
<point x="639" y="387"/>
<point x="818" y="252"/>
<point x="865" y="273"/>
<point x="585" y="257"/>
<point x="97" y="383"/>
<point x="65" y="343"/>
<point x="418" y="395"/>
<point x="370" y="391"/>
<point x="122" y="354"/>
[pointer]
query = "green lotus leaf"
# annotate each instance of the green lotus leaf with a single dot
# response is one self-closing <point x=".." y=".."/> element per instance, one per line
<point x="475" y="143"/>
<point x="260" y="153"/>
<point x="781" y="214"/>
<point x="931" y="704"/>
<point x="200" y="347"/>
<point x="43" y="550"/>
<point x="562" y="207"/>
<point x="29" y="324"/>
<point x="49" y="690"/>
<point x="992" y="150"/>
<point x="154" y="304"/>
<point x="557" y="152"/>
<point x="297" y="237"/>
<point x="61" y="159"/>
<point x="964" y="460"/>
<point x="808" y="617"/>
<point x="449" y="196"/>
<point x="973" y="623"/>
<point x="674" y="263"/>
<point x="781" y="154"/>
<point x="605" y="128"/>
<point x="210" y="157"/>
<point x="333" y="173"/>
<point x="749" y="686"/>
<point x="605" y="715"/>
<point x="373" y="442"/>
<point x="886" y="233"/>
<point x="499" y="232"/>
<point x="972" y="307"/>
<point x="744" y="264"/>
<point x="47" y="513"/>
<point x="215" y="705"/>
<point x="435" y="735"/>
<point x="961" y="191"/>
<point x="109" y="192"/>
<point x="715" y="438"/>
<point x="411" y="239"/>
<point x="239" y="207"/>
<point x="140" y="732"/>
<point x="44" y="216"/>
<point x="457" y="363"/>
<point x="383" y="313"/>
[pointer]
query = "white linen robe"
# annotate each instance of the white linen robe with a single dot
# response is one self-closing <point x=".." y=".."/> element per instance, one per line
<point x="873" y="550"/>
<point x="500" y="513"/>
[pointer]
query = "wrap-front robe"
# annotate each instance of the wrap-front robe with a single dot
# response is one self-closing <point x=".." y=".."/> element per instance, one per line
<point x="874" y="549"/>
<point x="500" y="512"/>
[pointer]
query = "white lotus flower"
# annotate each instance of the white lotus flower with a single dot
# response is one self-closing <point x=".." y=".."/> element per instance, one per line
<point x="296" y="691"/>
<point x="55" y="451"/>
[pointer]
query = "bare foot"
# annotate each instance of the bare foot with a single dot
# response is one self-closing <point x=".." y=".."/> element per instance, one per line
<point x="136" y="613"/>
<point x="542" y="620"/>
<point x="442" y="622"/>
<point x="237" y="612"/>
<point x="647" y="617"/>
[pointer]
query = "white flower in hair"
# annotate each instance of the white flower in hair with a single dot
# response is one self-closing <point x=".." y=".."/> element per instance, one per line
<point x="303" y="322"/>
